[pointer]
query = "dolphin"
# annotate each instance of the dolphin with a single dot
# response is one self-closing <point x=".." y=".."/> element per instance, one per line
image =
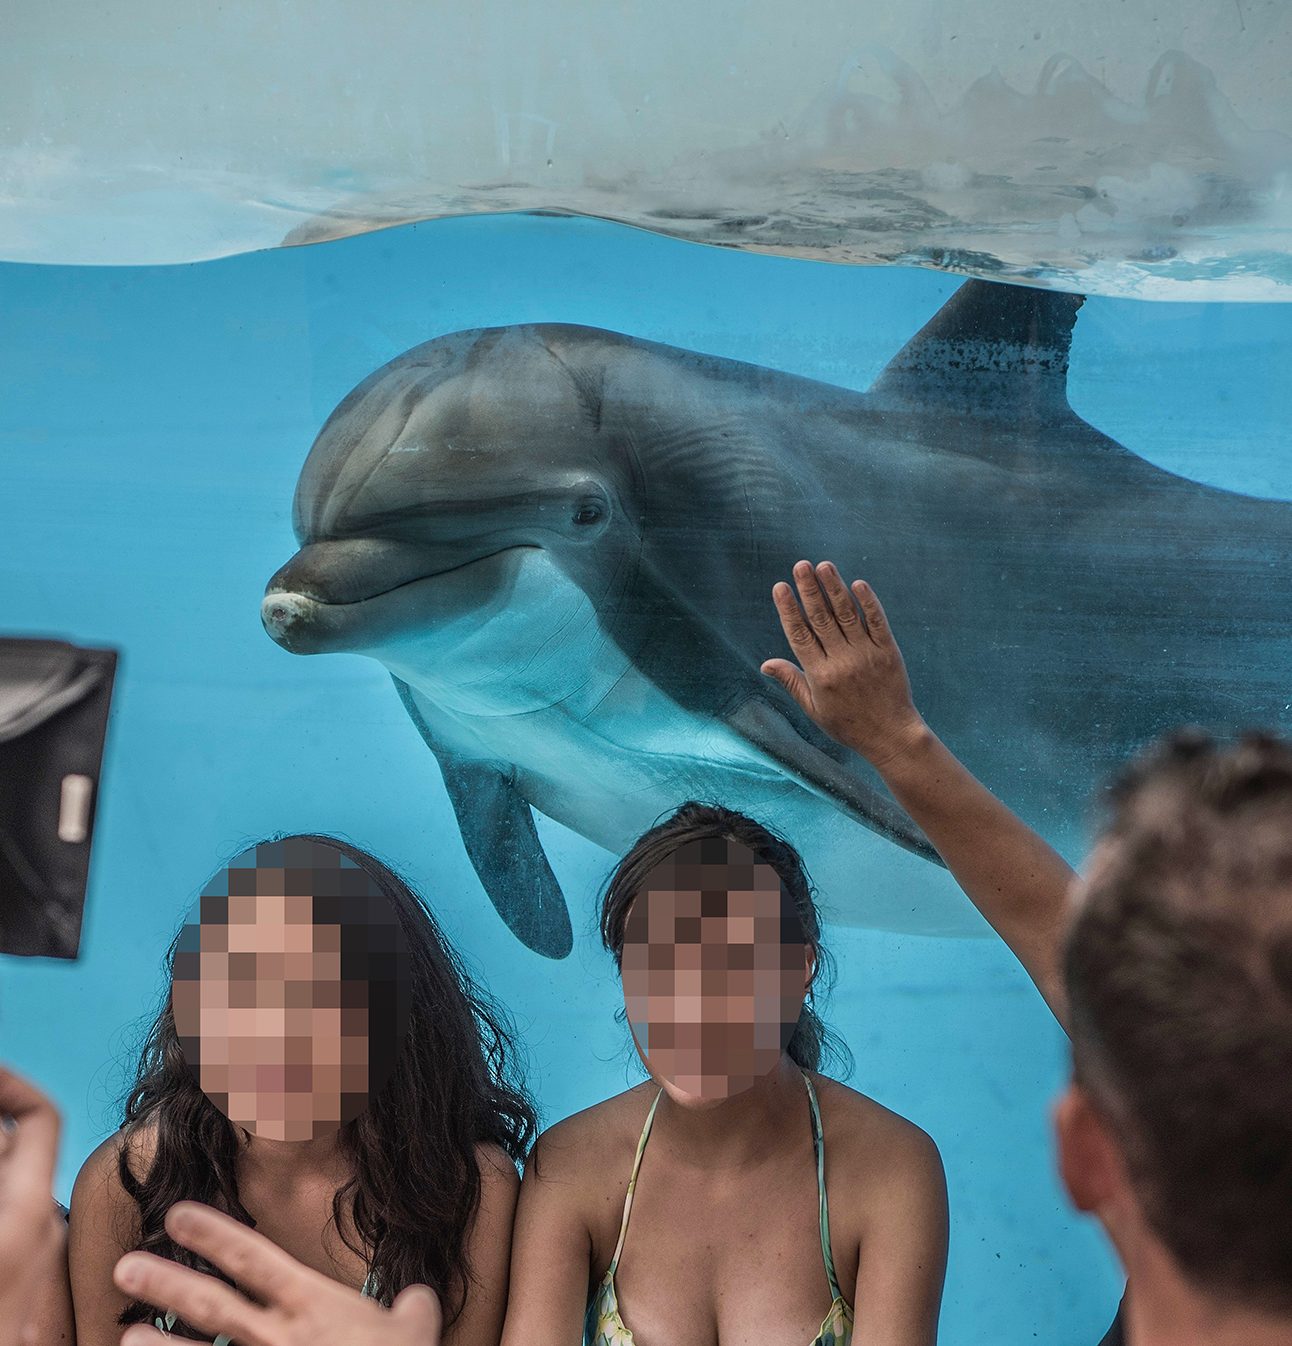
<point x="561" y="542"/>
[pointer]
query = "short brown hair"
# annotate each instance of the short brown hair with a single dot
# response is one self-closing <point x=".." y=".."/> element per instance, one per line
<point x="1179" y="971"/>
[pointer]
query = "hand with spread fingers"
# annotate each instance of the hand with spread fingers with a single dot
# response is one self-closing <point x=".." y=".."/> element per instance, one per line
<point x="297" y="1306"/>
<point x="31" y="1231"/>
<point x="851" y="679"/>
<point x="850" y="676"/>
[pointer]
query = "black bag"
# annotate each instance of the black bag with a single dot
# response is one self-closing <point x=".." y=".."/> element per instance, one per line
<point x="54" y="700"/>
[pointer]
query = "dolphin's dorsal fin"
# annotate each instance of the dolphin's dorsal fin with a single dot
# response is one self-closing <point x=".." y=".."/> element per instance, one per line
<point x="991" y="349"/>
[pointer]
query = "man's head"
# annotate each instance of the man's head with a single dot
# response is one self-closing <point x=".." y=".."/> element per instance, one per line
<point x="1178" y="963"/>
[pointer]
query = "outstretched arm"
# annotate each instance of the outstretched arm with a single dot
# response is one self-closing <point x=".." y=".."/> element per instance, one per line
<point x="851" y="679"/>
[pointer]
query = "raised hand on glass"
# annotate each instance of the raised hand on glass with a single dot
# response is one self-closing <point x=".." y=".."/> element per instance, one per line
<point x="298" y="1306"/>
<point x="851" y="679"/>
<point x="849" y="676"/>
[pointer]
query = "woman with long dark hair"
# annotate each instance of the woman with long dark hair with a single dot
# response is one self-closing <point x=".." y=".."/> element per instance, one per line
<point x="324" y="1070"/>
<point x="693" y="1208"/>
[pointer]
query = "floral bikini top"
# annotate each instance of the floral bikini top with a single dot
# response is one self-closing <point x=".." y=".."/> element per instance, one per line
<point x="604" y="1326"/>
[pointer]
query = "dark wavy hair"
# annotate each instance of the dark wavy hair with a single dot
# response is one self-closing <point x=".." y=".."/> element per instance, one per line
<point x="415" y="1180"/>
<point x="812" y="1043"/>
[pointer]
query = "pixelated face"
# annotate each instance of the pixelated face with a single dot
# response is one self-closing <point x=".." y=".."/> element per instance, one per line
<point x="277" y="975"/>
<point x="715" y="968"/>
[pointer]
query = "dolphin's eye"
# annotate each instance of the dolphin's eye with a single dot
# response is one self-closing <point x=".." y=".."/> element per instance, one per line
<point x="589" y="511"/>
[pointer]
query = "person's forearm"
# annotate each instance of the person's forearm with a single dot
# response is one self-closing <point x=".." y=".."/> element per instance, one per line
<point x="1017" y="881"/>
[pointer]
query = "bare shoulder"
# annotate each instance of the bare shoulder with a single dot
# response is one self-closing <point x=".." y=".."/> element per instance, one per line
<point x="104" y="1223"/>
<point x="493" y="1224"/>
<point x="578" y="1170"/>
<point x="882" y="1151"/>
<point x="499" y="1178"/>
<point x="590" y="1144"/>
<point x="99" y="1200"/>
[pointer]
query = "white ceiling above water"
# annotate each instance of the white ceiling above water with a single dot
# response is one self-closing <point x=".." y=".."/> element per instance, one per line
<point x="1132" y="147"/>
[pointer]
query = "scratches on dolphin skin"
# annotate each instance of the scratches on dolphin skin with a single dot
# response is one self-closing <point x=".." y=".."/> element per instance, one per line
<point x="583" y="617"/>
<point x="720" y="459"/>
<point x="386" y="430"/>
<point x="586" y="384"/>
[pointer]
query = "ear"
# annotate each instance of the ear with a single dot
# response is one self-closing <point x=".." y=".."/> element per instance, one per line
<point x="1090" y="1160"/>
<point x="809" y="968"/>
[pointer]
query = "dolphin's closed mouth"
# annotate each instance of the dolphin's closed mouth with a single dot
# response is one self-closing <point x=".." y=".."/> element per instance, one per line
<point x="315" y="597"/>
<point x="301" y="620"/>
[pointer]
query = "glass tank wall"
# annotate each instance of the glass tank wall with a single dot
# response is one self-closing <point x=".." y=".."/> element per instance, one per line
<point x="1077" y="546"/>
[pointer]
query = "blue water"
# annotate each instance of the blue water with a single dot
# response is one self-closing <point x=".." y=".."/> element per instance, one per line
<point x="153" y="425"/>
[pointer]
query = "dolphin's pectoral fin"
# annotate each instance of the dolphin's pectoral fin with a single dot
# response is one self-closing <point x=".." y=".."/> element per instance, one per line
<point x="991" y="348"/>
<point x="762" y="724"/>
<point x="502" y="843"/>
